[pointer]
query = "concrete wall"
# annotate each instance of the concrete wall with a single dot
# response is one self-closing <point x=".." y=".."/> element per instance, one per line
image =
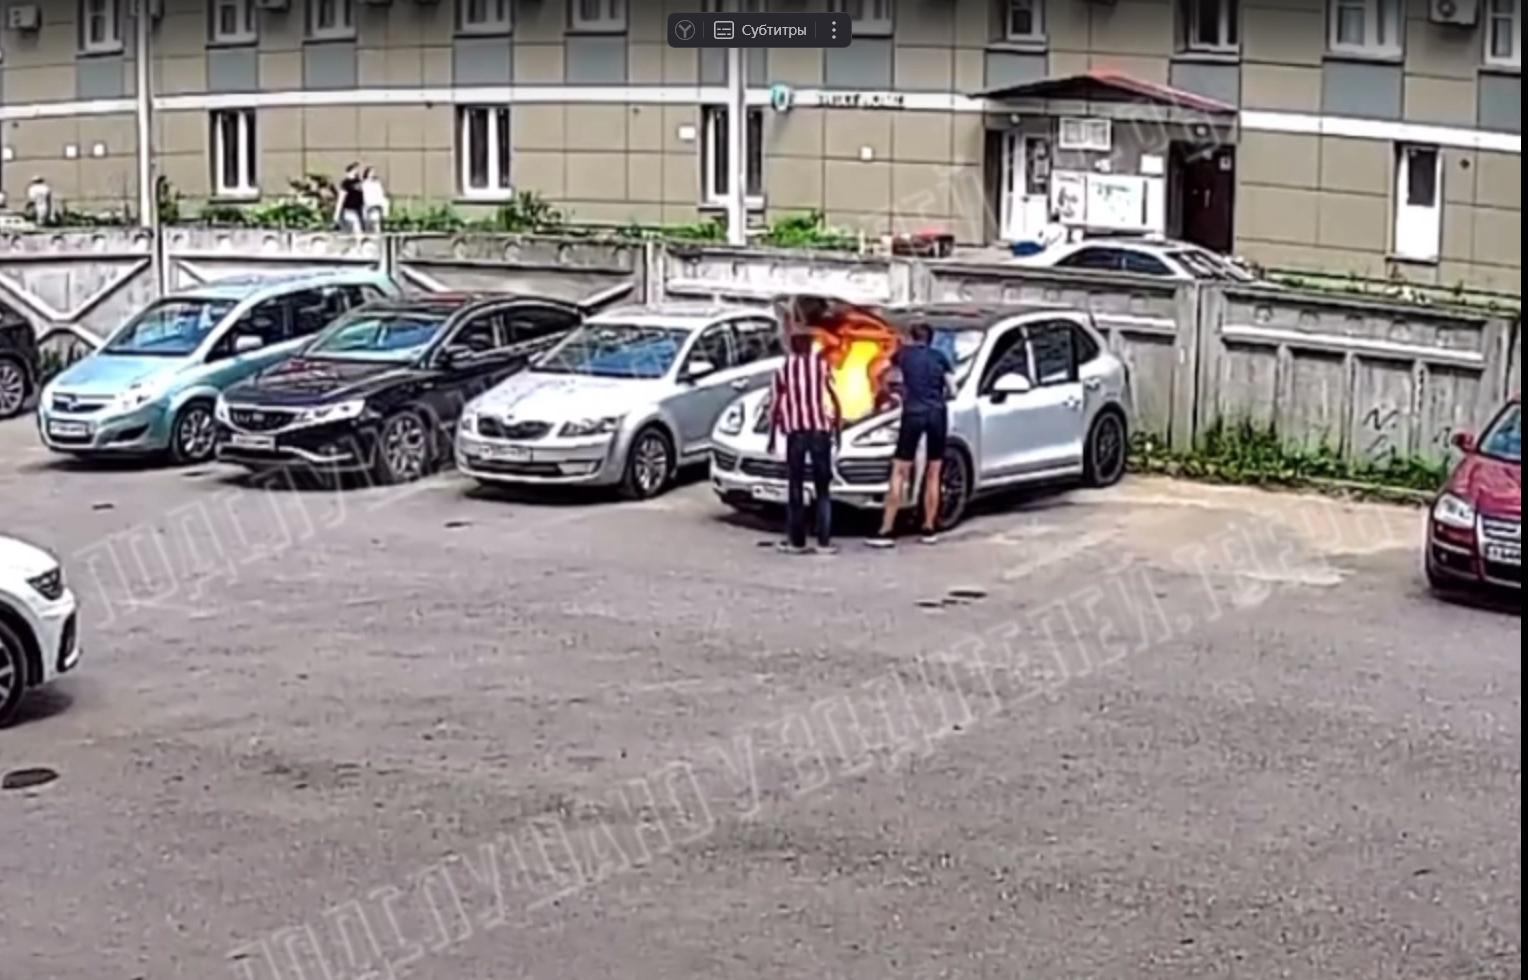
<point x="1303" y="199"/>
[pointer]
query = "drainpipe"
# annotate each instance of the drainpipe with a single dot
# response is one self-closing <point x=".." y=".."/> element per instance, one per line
<point x="148" y="200"/>
<point x="737" y="148"/>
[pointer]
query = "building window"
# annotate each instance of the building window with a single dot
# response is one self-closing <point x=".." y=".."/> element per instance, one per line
<point x="1418" y="202"/>
<point x="100" y="26"/>
<point x="331" y="20"/>
<point x="234" y="154"/>
<point x="1371" y="28"/>
<point x="233" y="22"/>
<point x="716" y="170"/>
<point x="1212" y="25"/>
<point x="598" y="16"/>
<point x="869" y="16"/>
<point x="1504" y="33"/>
<point x="1023" y="20"/>
<point x="735" y="7"/>
<point x="482" y="144"/>
<point x="485" y="16"/>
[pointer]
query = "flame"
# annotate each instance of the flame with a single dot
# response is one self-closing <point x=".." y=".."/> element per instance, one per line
<point x="856" y="346"/>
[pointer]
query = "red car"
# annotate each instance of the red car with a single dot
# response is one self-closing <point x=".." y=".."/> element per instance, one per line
<point x="1475" y="534"/>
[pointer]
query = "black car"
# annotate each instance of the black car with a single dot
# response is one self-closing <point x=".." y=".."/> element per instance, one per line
<point x="380" y="390"/>
<point x="18" y="362"/>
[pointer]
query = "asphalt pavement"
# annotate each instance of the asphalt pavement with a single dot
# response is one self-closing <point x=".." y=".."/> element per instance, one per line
<point x="1165" y="730"/>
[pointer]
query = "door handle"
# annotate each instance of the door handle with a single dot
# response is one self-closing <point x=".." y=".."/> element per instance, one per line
<point x="1074" y="403"/>
<point x="1094" y="384"/>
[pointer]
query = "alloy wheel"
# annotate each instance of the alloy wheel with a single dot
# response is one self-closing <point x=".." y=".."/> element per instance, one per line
<point x="13" y="389"/>
<point x="196" y="435"/>
<point x="8" y="676"/>
<point x="651" y="464"/>
<point x="1108" y="450"/>
<point x="406" y="448"/>
<point x="954" y="488"/>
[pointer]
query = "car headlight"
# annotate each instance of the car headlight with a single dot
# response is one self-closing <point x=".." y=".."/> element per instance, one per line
<point x="469" y="421"/>
<point x="49" y="585"/>
<point x="733" y="420"/>
<point x="1454" y="511"/>
<point x="139" y="395"/>
<point x="591" y="427"/>
<point x="339" y="412"/>
<point x="882" y="435"/>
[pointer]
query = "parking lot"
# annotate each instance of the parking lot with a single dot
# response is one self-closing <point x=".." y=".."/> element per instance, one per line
<point x="1160" y="731"/>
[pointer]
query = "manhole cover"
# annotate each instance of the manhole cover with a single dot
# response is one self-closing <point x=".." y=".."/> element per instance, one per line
<point x="27" y="778"/>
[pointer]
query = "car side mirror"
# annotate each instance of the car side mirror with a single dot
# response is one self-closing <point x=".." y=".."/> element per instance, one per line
<point x="1464" y="442"/>
<point x="247" y="344"/>
<point x="698" y="369"/>
<point x="1012" y="383"/>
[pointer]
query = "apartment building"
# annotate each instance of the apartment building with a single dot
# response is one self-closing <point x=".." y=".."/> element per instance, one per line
<point x="1367" y="136"/>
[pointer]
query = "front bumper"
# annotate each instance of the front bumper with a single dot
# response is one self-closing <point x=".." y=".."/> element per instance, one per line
<point x="1488" y="557"/>
<point x="563" y="462"/>
<point x="742" y="479"/>
<point x="336" y="446"/>
<point x="56" y="626"/>
<point x="142" y="431"/>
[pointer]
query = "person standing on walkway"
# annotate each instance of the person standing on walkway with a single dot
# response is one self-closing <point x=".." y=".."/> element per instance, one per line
<point x="374" y="197"/>
<point x="927" y="380"/>
<point x="350" y="202"/>
<point x="806" y="408"/>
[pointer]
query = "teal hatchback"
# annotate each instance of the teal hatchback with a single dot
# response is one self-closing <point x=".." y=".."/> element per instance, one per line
<point x="152" y="387"/>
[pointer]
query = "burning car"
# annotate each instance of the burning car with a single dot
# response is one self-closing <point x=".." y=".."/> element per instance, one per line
<point x="1475" y="531"/>
<point x="1039" y="398"/>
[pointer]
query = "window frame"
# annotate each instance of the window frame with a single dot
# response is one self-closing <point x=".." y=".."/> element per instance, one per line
<point x="345" y="31"/>
<point x="247" y="13"/>
<point x="111" y="13"/>
<point x="729" y="344"/>
<point x="498" y="136"/>
<point x="1005" y="12"/>
<point x="1071" y="262"/>
<point x="615" y="17"/>
<point x="1493" y="18"/>
<point x="489" y="27"/>
<point x="1229" y="25"/>
<point x="1074" y="368"/>
<point x="881" y="25"/>
<point x="1404" y="182"/>
<point x="247" y="161"/>
<point x="713" y="140"/>
<point x="1375" y="13"/>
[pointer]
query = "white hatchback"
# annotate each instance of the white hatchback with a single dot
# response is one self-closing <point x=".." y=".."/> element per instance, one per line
<point x="39" y="623"/>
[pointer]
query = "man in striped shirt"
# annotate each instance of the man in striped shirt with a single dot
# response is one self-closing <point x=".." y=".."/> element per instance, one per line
<point x="806" y="408"/>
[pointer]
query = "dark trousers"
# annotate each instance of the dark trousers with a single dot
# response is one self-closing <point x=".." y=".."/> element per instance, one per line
<point x="818" y="448"/>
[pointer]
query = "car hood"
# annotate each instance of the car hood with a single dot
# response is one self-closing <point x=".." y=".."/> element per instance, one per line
<point x="111" y="374"/>
<point x="23" y="559"/>
<point x="1494" y="486"/>
<point x="755" y="435"/>
<point x="536" y="396"/>
<point x="304" y="382"/>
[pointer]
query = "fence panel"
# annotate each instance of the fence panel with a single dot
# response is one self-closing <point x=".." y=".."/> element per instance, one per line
<point x="582" y="271"/>
<point x="1367" y="378"/>
<point x="719" y="273"/>
<point x="194" y="256"/>
<point x="76" y="284"/>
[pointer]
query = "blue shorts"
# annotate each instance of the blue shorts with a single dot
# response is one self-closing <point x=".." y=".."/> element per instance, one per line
<point x="919" y="422"/>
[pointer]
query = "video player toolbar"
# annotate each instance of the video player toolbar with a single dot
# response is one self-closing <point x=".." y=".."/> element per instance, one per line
<point x="729" y="30"/>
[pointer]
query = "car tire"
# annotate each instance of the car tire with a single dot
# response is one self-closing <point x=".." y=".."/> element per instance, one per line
<point x="404" y="449"/>
<point x="649" y="464"/>
<point x="1107" y="450"/>
<point x="15" y="388"/>
<point x="955" y="490"/>
<point x="194" y="435"/>
<point x="13" y="674"/>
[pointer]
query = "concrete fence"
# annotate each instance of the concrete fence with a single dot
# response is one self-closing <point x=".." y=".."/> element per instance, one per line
<point x="1365" y="377"/>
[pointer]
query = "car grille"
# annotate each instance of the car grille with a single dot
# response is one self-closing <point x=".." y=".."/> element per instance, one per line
<point x="1498" y="572"/>
<point x="490" y="428"/>
<point x="1500" y="529"/>
<point x="723" y="460"/>
<point x="865" y="471"/>
<point x="67" y="405"/>
<point x="767" y="469"/>
<point x="260" y="419"/>
<point x="515" y="469"/>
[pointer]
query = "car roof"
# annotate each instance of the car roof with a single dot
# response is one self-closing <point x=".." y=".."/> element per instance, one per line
<point x="685" y="316"/>
<point x="243" y="287"/>
<point x="448" y="303"/>
<point x="974" y="316"/>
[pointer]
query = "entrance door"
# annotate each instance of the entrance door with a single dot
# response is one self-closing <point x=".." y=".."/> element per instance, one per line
<point x="1207" y="179"/>
<point x="1024" y="189"/>
<point x="1011" y="188"/>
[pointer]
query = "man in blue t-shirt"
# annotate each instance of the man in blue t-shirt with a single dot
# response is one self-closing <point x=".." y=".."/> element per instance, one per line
<point x="927" y="380"/>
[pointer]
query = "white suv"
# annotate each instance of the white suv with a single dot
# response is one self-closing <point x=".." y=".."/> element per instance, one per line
<point x="39" y="624"/>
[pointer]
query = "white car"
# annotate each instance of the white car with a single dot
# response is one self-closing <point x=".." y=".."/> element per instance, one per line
<point x="1039" y="398"/>
<point x="1158" y="257"/>
<point x="39" y="623"/>
<point x="623" y="401"/>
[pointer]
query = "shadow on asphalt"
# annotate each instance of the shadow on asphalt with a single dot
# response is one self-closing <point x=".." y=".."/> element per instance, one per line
<point x="41" y="704"/>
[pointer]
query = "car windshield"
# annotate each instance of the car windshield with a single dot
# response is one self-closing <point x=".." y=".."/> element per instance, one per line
<point x="608" y="350"/>
<point x="390" y="336"/>
<point x="1207" y="265"/>
<point x="961" y="347"/>
<point x="1505" y="440"/>
<point x="170" y="328"/>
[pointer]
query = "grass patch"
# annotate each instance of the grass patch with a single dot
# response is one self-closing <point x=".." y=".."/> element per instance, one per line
<point x="1248" y="454"/>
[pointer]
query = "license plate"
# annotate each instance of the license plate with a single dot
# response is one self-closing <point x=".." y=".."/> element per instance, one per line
<point x="1504" y="554"/>
<point x="69" y="430"/>
<point x="239" y="440"/>
<point x="774" y="495"/>
<point x="508" y="454"/>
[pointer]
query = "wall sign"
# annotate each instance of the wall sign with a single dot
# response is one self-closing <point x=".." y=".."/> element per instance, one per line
<point x="863" y="100"/>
